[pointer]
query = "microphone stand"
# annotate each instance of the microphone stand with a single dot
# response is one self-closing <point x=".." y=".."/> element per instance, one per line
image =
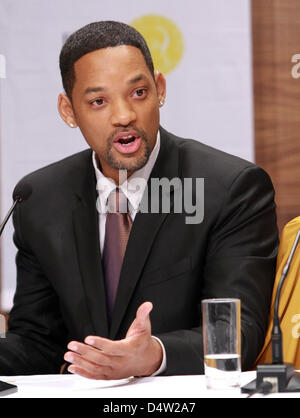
<point x="2" y="226"/>
<point x="8" y="388"/>
<point x="277" y="356"/>
<point x="280" y="376"/>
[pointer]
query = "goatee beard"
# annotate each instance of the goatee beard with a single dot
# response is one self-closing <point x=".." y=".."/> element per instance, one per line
<point x="131" y="164"/>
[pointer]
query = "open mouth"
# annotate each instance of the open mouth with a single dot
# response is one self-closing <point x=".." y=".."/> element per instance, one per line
<point x="126" y="140"/>
<point x="127" y="143"/>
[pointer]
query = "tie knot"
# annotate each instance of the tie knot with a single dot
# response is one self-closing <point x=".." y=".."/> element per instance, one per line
<point x="117" y="202"/>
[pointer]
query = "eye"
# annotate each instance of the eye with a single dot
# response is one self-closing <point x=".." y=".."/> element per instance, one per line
<point x="98" y="102"/>
<point x="140" y="92"/>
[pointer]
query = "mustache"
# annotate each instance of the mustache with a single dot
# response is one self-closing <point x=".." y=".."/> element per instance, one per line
<point x="141" y="133"/>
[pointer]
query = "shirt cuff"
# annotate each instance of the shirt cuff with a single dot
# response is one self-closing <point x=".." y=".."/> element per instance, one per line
<point x="163" y="365"/>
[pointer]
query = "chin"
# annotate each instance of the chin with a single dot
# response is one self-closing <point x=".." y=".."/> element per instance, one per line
<point x="129" y="163"/>
<point x="134" y="165"/>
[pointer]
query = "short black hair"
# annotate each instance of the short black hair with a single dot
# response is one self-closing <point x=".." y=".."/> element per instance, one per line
<point x="96" y="36"/>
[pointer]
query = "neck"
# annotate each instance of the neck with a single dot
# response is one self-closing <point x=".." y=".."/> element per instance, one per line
<point x="118" y="176"/>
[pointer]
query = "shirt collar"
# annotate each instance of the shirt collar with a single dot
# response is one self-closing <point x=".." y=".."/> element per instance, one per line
<point x="133" y="188"/>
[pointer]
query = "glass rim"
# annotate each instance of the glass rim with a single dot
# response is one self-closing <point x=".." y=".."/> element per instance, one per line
<point x="221" y="300"/>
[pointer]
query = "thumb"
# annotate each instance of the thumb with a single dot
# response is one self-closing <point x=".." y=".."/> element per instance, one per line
<point x="141" y="323"/>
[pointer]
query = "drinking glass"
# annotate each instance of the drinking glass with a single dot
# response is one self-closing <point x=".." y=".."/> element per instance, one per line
<point x="222" y="342"/>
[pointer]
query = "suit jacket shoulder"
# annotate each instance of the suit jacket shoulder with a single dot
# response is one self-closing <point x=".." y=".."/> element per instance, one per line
<point x="219" y="169"/>
<point x="66" y="173"/>
<point x="56" y="191"/>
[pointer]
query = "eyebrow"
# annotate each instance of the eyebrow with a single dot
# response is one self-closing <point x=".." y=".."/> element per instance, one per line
<point x="134" y="80"/>
<point x="93" y="90"/>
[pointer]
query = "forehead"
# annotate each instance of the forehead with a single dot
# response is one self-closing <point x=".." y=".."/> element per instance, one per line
<point x="120" y="62"/>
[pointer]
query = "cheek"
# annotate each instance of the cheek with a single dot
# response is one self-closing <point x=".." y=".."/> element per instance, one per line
<point x="148" y="114"/>
<point x="94" y="137"/>
<point x="151" y="121"/>
<point x="92" y="128"/>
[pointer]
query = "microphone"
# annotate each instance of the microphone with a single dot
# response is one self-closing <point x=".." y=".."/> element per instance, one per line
<point x="277" y="356"/>
<point x="280" y="375"/>
<point x="21" y="192"/>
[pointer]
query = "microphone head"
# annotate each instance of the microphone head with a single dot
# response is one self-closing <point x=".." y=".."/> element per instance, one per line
<point x="22" y="191"/>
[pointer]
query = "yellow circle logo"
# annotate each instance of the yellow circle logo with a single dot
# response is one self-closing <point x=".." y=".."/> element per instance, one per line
<point x="164" y="39"/>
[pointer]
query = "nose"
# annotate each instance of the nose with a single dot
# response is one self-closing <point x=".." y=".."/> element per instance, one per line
<point x="122" y="114"/>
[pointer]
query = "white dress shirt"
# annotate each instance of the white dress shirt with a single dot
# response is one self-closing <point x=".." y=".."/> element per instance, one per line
<point x="134" y="196"/>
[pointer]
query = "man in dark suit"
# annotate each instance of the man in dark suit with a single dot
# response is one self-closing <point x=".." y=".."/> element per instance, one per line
<point x="172" y="261"/>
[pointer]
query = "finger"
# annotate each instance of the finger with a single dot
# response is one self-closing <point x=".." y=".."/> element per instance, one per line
<point x="143" y="312"/>
<point x="84" y="373"/>
<point x="84" y="364"/>
<point x="90" y="353"/>
<point x="141" y="324"/>
<point x="108" y="347"/>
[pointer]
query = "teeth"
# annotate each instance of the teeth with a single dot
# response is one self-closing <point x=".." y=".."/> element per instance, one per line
<point x="127" y="138"/>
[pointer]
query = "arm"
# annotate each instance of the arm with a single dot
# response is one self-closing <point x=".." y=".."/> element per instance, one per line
<point x="35" y="337"/>
<point x="138" y="354"/>
<point x="240" y="262"/>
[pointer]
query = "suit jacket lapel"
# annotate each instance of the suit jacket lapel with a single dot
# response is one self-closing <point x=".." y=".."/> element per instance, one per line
<point x="85" y="221"/>
<point x="144" y="230"/>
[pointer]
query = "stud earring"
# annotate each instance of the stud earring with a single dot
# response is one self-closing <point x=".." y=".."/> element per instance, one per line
<point x="71" y="125"/>
<point x="162" y="102"/>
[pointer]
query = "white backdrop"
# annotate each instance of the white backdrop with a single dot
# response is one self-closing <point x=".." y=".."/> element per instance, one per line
<point x="209" y="95"/>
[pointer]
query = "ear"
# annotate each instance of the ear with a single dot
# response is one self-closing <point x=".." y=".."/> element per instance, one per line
<point x="160" y="82"/>
<point x="65" y="109"/>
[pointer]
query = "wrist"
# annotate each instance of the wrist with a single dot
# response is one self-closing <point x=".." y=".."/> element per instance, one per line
<point x="155" y="357"/>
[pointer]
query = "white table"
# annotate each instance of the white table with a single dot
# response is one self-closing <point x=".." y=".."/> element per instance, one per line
<point x="72" y="386"/>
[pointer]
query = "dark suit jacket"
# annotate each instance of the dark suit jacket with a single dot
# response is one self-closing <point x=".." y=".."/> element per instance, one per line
<point x="60" y="293"/>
